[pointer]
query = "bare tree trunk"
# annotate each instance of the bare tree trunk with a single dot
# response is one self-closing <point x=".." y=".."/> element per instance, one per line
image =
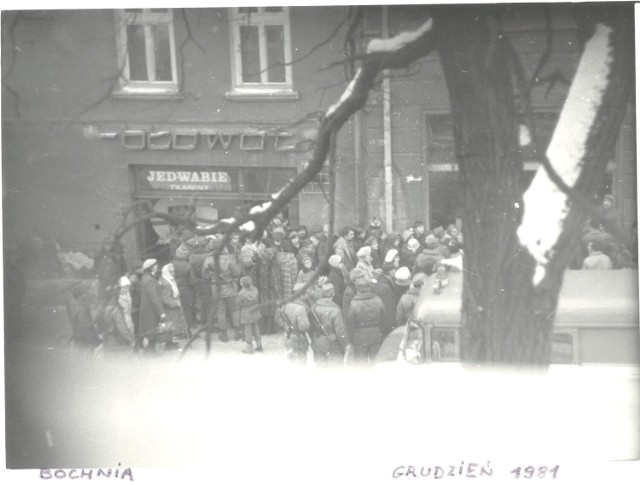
<point x="505" y="318"/>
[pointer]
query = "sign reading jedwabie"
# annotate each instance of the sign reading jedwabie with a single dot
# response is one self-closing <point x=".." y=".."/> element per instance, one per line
<point x="186" y="179"/>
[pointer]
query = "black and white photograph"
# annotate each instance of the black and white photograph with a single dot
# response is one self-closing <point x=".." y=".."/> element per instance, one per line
<point x="320" y="243"/>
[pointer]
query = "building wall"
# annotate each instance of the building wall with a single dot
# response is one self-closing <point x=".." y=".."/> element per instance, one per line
<point x="61" y="179"/>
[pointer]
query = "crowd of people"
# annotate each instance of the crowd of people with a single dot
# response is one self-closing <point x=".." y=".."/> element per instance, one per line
<point x="368" y="288"/>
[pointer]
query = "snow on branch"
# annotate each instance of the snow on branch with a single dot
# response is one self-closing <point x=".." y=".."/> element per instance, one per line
<point x="399" y="41"/>
<point x="546" y="204"/>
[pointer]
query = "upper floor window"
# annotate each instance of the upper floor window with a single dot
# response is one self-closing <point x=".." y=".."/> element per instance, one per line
<point x="261" y="49"/>
<point x="146" y="52"/>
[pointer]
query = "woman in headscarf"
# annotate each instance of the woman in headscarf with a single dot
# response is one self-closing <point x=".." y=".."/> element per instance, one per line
<point x="116" y="325"/>
<point x="170" y="296"/>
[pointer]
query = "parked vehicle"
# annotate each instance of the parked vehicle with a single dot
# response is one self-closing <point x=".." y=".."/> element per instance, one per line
<point x="596" y="322"/>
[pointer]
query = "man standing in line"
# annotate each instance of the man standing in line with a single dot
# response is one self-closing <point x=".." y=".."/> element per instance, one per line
<point x="329" y="336"/>
<point x="295" y="320"/>
<point x="366" y="318"/>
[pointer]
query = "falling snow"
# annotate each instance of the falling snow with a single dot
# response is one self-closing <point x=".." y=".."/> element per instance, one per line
<point x="546" y="206"/>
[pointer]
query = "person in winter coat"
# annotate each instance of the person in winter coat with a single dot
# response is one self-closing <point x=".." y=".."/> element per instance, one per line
<point x="186" y="280"/>
<point x="201" y="250"/>
<point x="350" y="290"/>
<point x="115" y="326"/>
<point x="307" y="250"/>
<point x="84" y="331"/>
<point x="409" y="252"/>
<point x="224" y="291"/>
<point x="170" y="296"/>
<point x="151" y="308"/>
<point x="306" y="272"/>
<point x="392" y="257"/>
<point x="385" y="289"/>
<point x="376" y="255"/>
<point x="338" y="276"/>
<point x="111" y="267"/>
<point x="364" y="262"/>
<point x="427" y="259"/>
<point x="294" y="318"/>
<point x="125" y="302"/>
<point x="408" y="300"/>
<point x="597" y="259"/>
<point x="248" y="301"/>
<point x="343" y="247"/>
<point x="365" y="320"/>
<point x="402" y="280"/>
<point x="287" y="269"/>
<point x="329" y="336"/>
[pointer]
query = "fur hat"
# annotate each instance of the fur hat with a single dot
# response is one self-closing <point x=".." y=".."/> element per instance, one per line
<point x="431" y="240"/>
<point x="322" y="280"/>
<point x="365" y="251"/>
<point x="327" y="290"/>
<point x="293" y="234"/>
<point x="403" y="277"/>
<point x="357" y="274"/>
<point x="391" y="254"/>
<point x="335" y="261"/>
<point x="182" y="251"/>
<point x="150" y="262"/>
<point x="245" y="281"/>
<point x="278" y="233"/>
<point x="413" y="244"/>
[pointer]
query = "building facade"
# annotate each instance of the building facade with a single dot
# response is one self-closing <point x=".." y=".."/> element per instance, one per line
<point x="204" y="111"/>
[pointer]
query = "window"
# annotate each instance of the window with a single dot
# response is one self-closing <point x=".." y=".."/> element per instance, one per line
<point x="261" y="53"/>
<point x="319" y="184"/>
<point x="146" y="52"/>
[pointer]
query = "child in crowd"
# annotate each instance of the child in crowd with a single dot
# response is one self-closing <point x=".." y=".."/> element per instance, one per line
<point x="249" y="314"/>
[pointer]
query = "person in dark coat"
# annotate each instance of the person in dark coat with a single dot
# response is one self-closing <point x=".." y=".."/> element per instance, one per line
<point x="365" y="320"/>
<point x="343" y="247"/>
<point x="338" y="276"/>
<point x="408" y="301"/>
<point x="226" y="301"/>
<point x="84" y="329"/>
<point x="385" y="289"/>
<point x="151" y="308"/>
<point x="294" y="317"/>
<point x="201" y="250"/>
<point x="329" y="336"/>
<point x="429" y="256"/>
<point x="186" y="280"/>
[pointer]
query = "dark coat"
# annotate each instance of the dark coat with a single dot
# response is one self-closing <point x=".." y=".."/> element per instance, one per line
<point x="365" y="319"/>
<point x="150" y="304"/>
<point x="337" y="279"/>
<point x="406" y="305"/>
<point x="116" y="335"/>
<point x="385" y="289"/>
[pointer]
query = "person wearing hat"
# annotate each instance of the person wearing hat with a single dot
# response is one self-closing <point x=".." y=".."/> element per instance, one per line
<point x="151" y="308"/>
<point x="343" y="247"/>
<point x="315" y="292"/>
<point x="185" y="278"/>
<point x="115" y="324"/>
<point x="170" y="295"/>
<point x="385" y="289"/>
<point x="294" y="318"/>
<point x="409" y="252"/>
<point x="202" y="289"/>
<point x="248" y="301"/>
<point x="287" y="270"/>
<point x="306" y="272"/>
<point x="455" y="262"/>
<point x="429" y="256"/>
<point x="408" y="300"/>
<point x="307" y="250"/>
<point x="338" y="276"/>
<point x="393" y="257"/>
<point x="364" y="261"/>
<point x="376" y="255"/>
<point x="350" y="291"/>
<point x="365" y="320"/>
<point x="328" y="334"/>
<point x="135" y="277"/>
<point x="224" y="292"/>
<point x="609" y="213"/>
<point x="402" y="280"/>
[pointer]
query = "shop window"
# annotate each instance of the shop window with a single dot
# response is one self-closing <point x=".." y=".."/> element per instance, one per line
<point x="320" y="183"/>
<point x="146" y="53"/>
<point x="261" y="47"/>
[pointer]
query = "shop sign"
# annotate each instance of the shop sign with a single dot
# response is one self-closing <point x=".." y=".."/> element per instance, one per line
<point x="181" y="179"/>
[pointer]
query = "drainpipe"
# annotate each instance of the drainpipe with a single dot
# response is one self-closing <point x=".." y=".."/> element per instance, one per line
<point x="386" y="120"/>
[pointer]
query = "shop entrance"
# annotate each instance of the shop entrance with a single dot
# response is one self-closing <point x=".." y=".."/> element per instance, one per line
<point x="204" y="194"/>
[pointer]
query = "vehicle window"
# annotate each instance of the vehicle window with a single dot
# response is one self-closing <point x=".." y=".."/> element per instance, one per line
<point x="445" y="344"/>
<point x="561" y="348"/>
